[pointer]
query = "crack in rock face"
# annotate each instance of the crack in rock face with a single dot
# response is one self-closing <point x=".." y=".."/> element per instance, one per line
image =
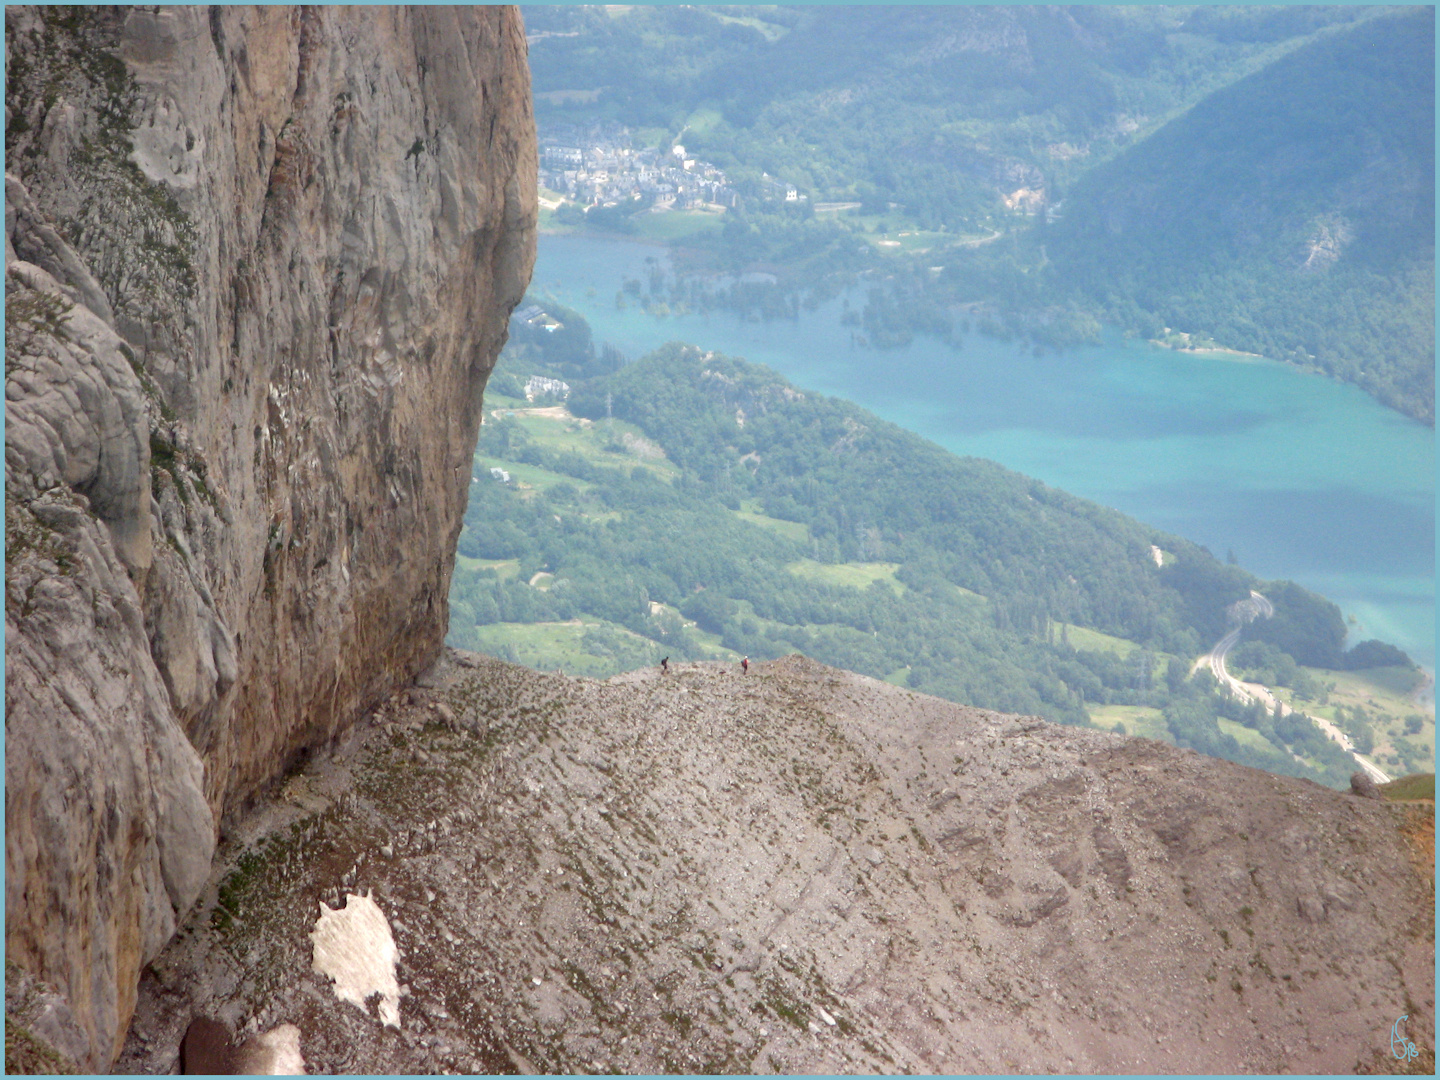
<point x="354" y="947"/>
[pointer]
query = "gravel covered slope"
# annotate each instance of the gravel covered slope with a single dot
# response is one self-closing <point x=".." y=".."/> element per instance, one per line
<point x="801" y="870"/>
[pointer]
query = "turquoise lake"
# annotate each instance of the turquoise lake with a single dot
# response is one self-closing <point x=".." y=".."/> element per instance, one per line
<point x="1302" y="477"/>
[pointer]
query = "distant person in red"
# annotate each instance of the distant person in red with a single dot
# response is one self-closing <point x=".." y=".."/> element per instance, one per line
<point x="744" y="663"/>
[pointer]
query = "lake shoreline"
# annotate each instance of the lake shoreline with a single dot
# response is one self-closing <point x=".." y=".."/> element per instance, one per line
<point x="1219" y="350"/>
<point x="1307" y="479"/>
<point x="1235" y="355"/>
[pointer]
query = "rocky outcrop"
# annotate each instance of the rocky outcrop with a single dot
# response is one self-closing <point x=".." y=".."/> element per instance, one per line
<point x="800" y="870"/>
<point x="259" y="263"/>
<point x="1363" y="785"/>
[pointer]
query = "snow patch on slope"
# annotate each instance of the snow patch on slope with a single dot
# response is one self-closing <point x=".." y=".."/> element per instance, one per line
<point x="354" y="947"/>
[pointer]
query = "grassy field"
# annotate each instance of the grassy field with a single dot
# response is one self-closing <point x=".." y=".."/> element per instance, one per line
<point x="893" y="232"/>
<point x="611" y="443"/>
<point x="909" y="241"/>
<point x="705" y="637"/>
<point x="523" y="476"/>
<point x="1395" y="681"/>
<point x="1244" y="735"/>
<point x="672" y="225"/>
<point x="593" y="649"/>
<point x="750" y="511"/>
<point x="1387" y="690"/>
<point x="1385" y="696"/>
<point x="856" y="575"/>
<point x="1416" y="786"/>
<point x="1082" y="637"/>
<point x="504" y="568"/>
<point x="703" y="119"/>
<point x="1138" y="720"/>
<point x="546" y="646"/>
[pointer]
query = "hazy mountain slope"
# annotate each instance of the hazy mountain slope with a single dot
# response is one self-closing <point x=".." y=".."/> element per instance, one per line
<point x="940" y="108"/>
<point x="700" y="871"/>
<point x="1290" y="214"/>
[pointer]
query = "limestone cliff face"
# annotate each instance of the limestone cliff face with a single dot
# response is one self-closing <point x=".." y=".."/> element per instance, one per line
<point x="259" y="264"/>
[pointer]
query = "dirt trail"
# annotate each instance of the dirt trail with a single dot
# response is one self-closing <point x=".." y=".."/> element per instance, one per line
<point x="801" y="870"/>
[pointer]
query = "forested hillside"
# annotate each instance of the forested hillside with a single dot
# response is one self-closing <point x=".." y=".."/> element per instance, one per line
<point x="1258" y="179"/>
<point x="937" y="108"/>
<point x="1291" y="214"/>
<point x="698" y="506"/>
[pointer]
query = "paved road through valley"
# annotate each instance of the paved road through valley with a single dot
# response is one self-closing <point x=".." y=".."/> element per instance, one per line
<point x="1247" y="611"/>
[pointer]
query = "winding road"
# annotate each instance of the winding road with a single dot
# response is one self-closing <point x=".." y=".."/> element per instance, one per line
<point x="1247" y="611"/>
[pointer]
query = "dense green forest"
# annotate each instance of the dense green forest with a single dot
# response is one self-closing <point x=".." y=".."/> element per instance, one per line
<point x="697" y="506"/>
<point x="1257" y="178"/>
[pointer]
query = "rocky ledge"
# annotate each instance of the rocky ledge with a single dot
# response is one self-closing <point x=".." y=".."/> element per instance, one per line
<point x="797" y="870"/>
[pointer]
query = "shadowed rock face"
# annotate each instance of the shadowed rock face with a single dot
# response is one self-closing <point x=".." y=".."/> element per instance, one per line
<point x="259" y="263"/>
<point x="800" y="869"/>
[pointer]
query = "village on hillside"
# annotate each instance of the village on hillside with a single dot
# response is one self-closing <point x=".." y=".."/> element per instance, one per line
<point x="598" y="165"/>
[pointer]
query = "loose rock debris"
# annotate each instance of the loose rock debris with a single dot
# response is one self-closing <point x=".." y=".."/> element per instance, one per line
<point x="803" y="871"/>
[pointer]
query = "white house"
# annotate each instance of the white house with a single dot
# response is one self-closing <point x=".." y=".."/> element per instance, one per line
<point x="568" y="155"/>
<point x="537" y="385"/>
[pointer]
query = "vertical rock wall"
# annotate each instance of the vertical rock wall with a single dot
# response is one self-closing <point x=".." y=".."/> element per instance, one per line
<point x="259" y="263"/>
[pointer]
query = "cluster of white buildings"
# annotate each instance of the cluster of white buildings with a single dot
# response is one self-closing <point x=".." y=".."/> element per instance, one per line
<point x="540" y="386"/>
<point x="597" y="165"/>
